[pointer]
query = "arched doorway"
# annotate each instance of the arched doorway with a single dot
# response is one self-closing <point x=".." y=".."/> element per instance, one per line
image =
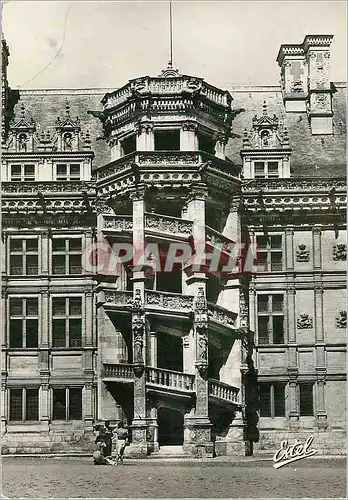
<point x="170" y="427"/>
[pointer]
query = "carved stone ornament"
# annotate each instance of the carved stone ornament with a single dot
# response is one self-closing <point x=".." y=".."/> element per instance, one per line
<point x="341" y="319"/>
<point x="304" y="321"/>
<point x="339" y="252"/>
<point x="302" y="253"/>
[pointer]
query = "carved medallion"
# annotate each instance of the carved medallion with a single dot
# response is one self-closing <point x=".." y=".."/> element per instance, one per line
<point x="304" y="321"/>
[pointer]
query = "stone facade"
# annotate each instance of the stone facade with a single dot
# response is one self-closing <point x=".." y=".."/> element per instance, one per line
<point x="218" y="363"/>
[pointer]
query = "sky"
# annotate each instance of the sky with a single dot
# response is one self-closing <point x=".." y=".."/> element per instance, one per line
<point x="94" y="44"/>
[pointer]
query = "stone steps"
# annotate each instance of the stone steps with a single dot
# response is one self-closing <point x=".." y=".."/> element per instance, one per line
<point x="169" y="452"/>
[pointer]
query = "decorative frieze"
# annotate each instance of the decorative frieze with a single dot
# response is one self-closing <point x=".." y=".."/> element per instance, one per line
<point x="302" y="253"/>
<point x="170" y="301"/>
<point x="304" y="321"/>
<point x="341" y="319"/>
<point x="221" y="315"/>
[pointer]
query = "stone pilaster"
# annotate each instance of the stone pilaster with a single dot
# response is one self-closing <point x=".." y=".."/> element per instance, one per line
<point x="145" y="137"/>
<point x="188" y="139"/>
<point x="88" y="405"/>
<point x="4" y="408"/>
<point x="45" y="400"/>
<point x="45" y="240"/>
<point x="317" y="251"/>
<point x="44" y="319"/>
<point x="289" y="248"/>
<point x="318" y="311"/>
<point x="153" y="348"/>
<point x="291" y="314"/>
<point x="88" y="316"/>
<point x="115" y="149"/>
<point x="220" y="146"/>
<point x="197" y="432"/>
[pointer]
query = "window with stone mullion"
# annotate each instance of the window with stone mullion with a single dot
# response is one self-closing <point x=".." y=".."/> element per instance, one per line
<point x="66" y="256"/>
<point x="23" y="328"/>
<point x="67" y="322"/>
<point x="24" y="404"/>
<point x="270" y="319"/>
<point x="24" y="256"/>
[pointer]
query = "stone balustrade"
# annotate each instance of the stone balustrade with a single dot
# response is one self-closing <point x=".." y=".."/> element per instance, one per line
<point x="118" y="371"/>
<point x="118" y="297"/>
<point x="167" y="224"/>
<point x="222" y="315"/>
<point x="217" y="239"/>
<point x="170" y="379"/>
<point x="118" y="222"/>
<point x="223" y="391"/>
<point x="169" y="301"/>
<point x="9" y="187"/>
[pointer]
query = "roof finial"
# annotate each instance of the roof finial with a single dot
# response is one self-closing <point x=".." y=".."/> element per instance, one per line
<point x="264" y="106"/>
<point x="67" y="108"/>
<point x="170" y="63"/>
<point x="22" y="110"/>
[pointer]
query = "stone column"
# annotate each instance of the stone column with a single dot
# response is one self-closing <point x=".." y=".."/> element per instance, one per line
<point x="188" y="351"/>
<point x="188" y="139"/>
<point x="145" y="137"/>
<point x="317" y="253"/>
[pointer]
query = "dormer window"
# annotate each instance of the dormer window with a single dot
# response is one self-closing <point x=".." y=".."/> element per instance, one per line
<point x="266" y="169"/>
<point x="167" y="140"/>
<point x="22" y="142"/>
<point x="67" y="141"/>
<point x="68" y="172"/>
<point x="20" y="173"/>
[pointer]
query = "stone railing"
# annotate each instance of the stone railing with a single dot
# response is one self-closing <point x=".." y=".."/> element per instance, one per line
<point x="48" y="187"/>
<point x="118" y="371"/>
<point x="169" y="301"/>
<point x="118" y="222"/>
<point x="223" y="391"/>
<point x="293" y="185"/>
<point x="170" y="379"/>
<point x="168" y="158"/>
<point x="222" y="315"/>
<point x="217" y="239"/>
<point x="118" y="297"/>
<point x="168" y="86"/>
<point x="166" y="224"/>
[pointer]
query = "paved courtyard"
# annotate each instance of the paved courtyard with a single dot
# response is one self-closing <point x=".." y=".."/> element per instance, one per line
<point x="79" y="478"/>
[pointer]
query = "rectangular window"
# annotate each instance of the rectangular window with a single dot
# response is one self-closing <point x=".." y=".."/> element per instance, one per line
<point x="270" y="319"/>
<point x="66" y="322"/>
<point x="306" y="399"/>
<point x="206" y="143"/>
<point x="21" y="172"/>
<point x="167" y="140"/>
<point x="266" y="169"/>
<point x="66" y="256"/>
<point x="269" y="253"/>
<point x="68" y="172"/>
<point x="129" y="145"/>
<point x="24" y="404"/>
<point x="272" y="399"/>
<point x="24" y="257"/>
<point x="24" y="323"/>
<point x="67" y="403"/>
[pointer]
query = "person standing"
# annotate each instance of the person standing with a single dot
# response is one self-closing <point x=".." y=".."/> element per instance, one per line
<point x="122" y="441"/>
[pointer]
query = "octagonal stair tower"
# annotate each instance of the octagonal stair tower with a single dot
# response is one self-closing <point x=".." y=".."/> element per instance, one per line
<point x="167" y="336"/>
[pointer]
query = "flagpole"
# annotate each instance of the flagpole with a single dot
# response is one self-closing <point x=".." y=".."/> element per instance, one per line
<point x="171" y="34"/>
